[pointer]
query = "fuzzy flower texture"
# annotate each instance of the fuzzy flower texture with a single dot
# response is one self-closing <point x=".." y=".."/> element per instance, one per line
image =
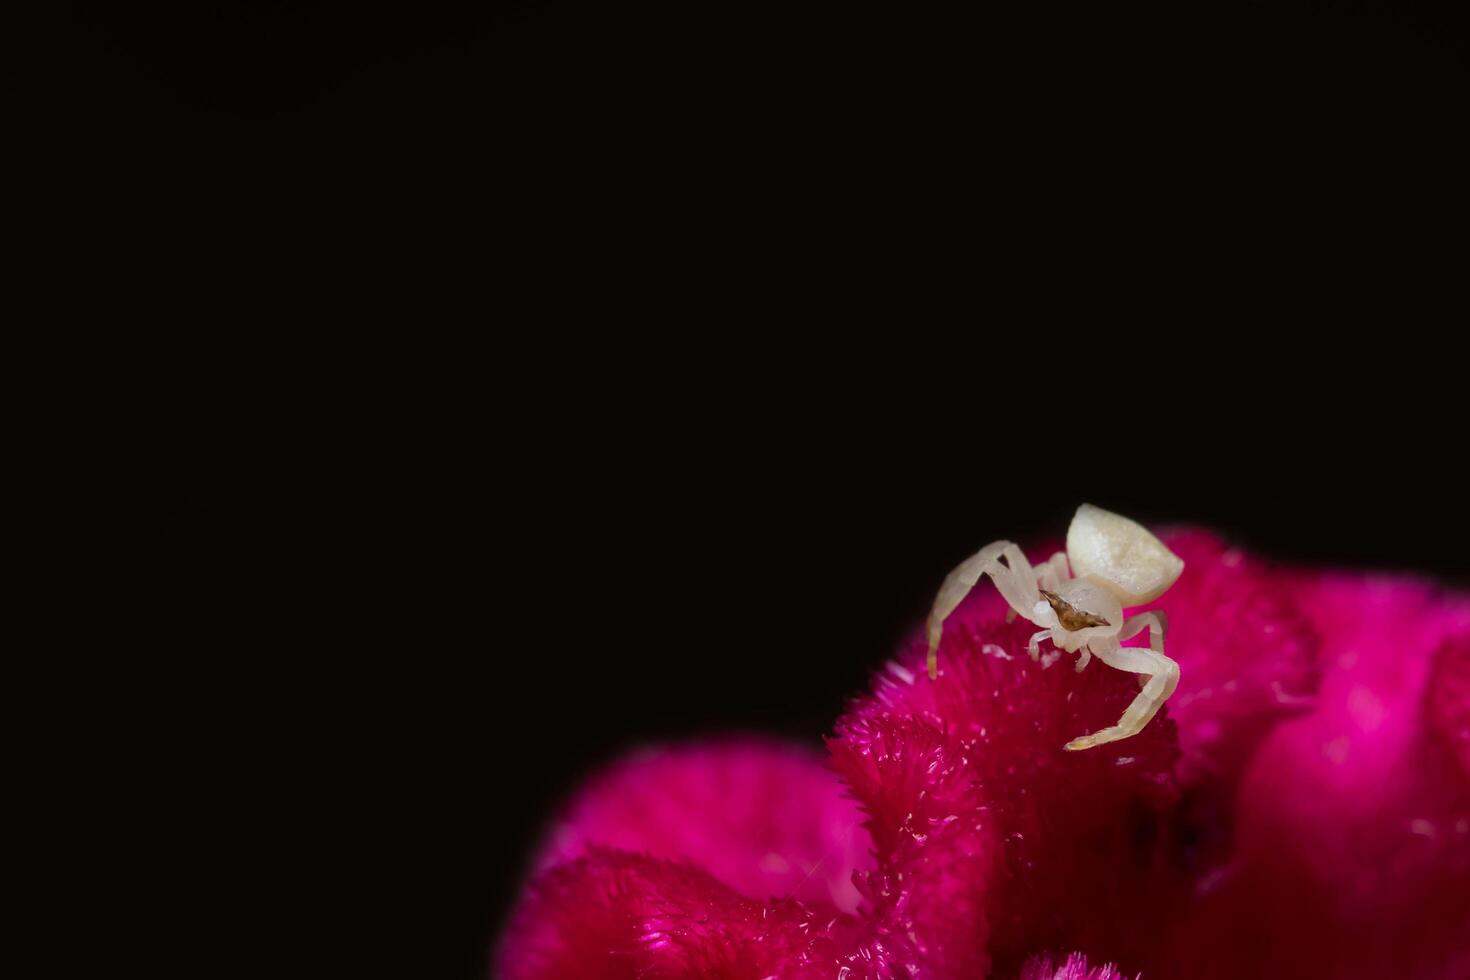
<point x="1299" y="808"/>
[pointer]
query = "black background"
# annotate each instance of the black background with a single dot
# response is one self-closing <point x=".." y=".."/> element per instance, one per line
<point x="592" y="395"/>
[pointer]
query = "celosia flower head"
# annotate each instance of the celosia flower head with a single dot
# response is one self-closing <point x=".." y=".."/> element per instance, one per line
<point x="1301" y="807"/>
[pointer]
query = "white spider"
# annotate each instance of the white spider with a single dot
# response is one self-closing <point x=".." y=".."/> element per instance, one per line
<point x="1117" y="563"/>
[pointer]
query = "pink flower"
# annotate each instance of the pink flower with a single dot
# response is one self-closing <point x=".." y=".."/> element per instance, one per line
<point x="1301" y="807"/>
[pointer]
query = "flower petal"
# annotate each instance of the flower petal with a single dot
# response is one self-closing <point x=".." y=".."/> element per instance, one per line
<point x="992" y="841"/>
<point x="1247" y="655"/>
<point x="1449" y="698"/>
<point x="611" y="915"/>
<point x="762" y="816"/>
<point x="1352" y="851"/>
<point x="1075" y="968"/>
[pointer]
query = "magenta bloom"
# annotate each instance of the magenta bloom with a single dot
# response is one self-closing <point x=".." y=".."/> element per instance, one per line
<point x="1301" y="807"/>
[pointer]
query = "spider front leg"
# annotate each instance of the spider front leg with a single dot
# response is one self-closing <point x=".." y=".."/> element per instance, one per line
<point x="1015" y="580"/>
<point x="1163" y="678"/>
<point x="1084" y="658"/>
<point x="1156" y="622"/>
<point x="1050" y="574"/>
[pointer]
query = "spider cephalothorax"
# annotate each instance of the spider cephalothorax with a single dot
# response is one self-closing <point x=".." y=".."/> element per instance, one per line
<point x="1077" y="597"/>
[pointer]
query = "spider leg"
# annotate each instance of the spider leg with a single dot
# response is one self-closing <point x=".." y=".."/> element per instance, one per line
<point x="1163" y="678"/>
<point x="1157" y="624"/>
<point x="1015" y="580"/>
<point x="1031" y="645"/>
<point x="1051" y="573"/>
<point x="1085" y="658"/>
